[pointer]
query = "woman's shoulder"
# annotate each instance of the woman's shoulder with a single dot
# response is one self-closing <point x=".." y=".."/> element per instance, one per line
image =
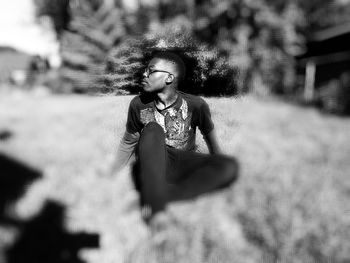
<point x="141" y="100"/>
<point x="195" y="100"/>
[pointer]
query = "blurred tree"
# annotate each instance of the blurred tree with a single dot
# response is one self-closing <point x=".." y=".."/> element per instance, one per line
<point x="254" y="38"/>
<point x="258" y="38"/>
<point x="87" y="30"/>
<point x="321" y="14"/>
<point x="124" y="66"/>
<point x="93" y="31"/>
<point x="57" y="10"/>
<point x="240" y="45"/>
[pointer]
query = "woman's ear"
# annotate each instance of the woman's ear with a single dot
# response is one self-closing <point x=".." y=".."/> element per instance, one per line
<point x="170" y="79"/>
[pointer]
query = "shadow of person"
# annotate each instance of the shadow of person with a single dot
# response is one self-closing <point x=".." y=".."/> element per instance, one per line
<point x="14" y="180"/>
<point x="42" y="238"/>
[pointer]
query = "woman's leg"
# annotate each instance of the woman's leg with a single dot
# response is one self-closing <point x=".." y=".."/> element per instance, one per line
<point x="151" y="162"/>
<point x="194" y="174"/>
<point x="165" y="174"/>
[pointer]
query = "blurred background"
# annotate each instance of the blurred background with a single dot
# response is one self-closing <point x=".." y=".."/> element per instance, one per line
<point x="276" y="74"/>
<point x="287" y="48"/>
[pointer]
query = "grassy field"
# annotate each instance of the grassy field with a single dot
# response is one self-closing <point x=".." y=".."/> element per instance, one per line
<point x="291" y="203"/>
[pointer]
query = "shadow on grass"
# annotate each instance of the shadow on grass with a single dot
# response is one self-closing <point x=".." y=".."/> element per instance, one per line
<point x="15" y="178"/>
<point x="5" y="135"/>
<point x="42" y="238"/>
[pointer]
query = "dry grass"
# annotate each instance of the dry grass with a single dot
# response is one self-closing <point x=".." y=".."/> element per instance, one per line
<point x="289" y="205"/>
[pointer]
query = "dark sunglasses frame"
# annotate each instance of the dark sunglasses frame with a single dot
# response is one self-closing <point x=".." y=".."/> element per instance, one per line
<point x="148" y="72"/>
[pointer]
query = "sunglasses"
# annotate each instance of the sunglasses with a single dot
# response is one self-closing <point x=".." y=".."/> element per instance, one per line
<point x="148" y="72"/>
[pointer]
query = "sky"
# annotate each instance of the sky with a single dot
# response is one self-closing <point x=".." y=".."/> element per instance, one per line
<point x="19" y="29"/>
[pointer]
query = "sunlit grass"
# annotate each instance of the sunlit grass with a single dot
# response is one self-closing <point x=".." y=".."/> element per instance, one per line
<point x="290" y="201"/>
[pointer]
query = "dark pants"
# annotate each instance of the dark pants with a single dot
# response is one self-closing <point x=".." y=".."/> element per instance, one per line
<point x="163" y="174"/>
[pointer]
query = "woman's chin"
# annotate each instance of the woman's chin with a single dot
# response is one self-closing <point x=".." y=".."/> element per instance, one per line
<point x="146" y="88"/>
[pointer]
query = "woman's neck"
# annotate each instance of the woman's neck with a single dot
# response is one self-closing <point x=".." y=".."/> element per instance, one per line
<point x="166" y="98"/>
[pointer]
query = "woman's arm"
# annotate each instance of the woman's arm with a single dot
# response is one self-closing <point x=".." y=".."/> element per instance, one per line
<point x="125" y="150"/>
<point x="212" y="143"/>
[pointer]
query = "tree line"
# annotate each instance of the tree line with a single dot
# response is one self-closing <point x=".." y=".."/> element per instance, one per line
<point x="229" y="46"/>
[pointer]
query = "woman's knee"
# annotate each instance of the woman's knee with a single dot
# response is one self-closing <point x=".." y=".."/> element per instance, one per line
<point x="152" y="127"/>
<point x="152" y="130"/>
<point x="152" y="139"/>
